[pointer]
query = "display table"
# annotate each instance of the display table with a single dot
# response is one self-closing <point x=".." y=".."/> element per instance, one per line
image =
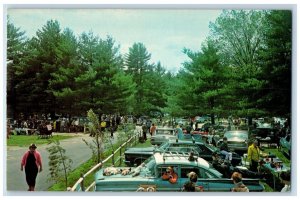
<point x="275" y="166"/>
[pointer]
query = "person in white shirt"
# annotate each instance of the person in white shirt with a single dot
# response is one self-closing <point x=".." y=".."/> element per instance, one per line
<point x="286" y="179"/>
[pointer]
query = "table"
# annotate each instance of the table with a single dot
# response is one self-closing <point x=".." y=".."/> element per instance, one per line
<point x="276" y="169"/>
<point x="25" y="131"/>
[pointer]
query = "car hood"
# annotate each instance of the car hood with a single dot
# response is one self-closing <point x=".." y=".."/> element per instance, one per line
<point x="236" y="139"/>
<point x="141" y="149"/>
<point x="162" y="136"/>
<point x="134" y="172"/>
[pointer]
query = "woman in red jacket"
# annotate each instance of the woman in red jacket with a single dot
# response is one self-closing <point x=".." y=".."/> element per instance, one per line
<point x="32" y="162"/>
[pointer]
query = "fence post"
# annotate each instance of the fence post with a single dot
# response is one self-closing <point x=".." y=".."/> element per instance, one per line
<point x="120" y="156"/>
<point x="113" y="158"/>
<point x="82" y="183"/>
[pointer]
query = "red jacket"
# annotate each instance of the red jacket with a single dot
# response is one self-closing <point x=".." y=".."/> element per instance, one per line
<point x="38" y="158"/>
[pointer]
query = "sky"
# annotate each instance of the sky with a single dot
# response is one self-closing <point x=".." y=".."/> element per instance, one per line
<point x="164" y="32"/>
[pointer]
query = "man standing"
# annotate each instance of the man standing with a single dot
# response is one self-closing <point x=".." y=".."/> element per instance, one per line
<point x="253" y="156"/>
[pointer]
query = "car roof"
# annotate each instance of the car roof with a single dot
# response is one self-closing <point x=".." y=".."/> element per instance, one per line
<point x="165" y="128"/>
<point x="185" y="141"/>
<point x="237" y="131"/>
<point x="174" y="159"/>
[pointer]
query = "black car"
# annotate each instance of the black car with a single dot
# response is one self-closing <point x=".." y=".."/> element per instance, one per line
<point x="265" y="131"/>
<point x="135" y="156"/>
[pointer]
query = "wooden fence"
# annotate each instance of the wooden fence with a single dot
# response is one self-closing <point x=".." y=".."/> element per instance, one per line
<point x="79" y="185"/>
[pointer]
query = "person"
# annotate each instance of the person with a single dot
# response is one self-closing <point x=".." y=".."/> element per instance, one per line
<point x="152" y="129"/>
<point x="253" y="156"/>
<point x="220" y="165"/>
<point x="190" y="185"/>
<point x="225" y="150"/>
<point x="238" y="184"/>
<point x="32" y="162"/>
<point x="286" y="180"/>
<point x="227" y="169"/>
<point x="144" y="128"/>
<point x="170" y="175"/>
<point x="179" y="133"/>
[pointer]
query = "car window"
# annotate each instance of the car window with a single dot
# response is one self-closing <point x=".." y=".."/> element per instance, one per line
<point x="184" y="147"/>
<point x="187" y="169"/>
<point x="162" y="169"/>
<point x="205" y="173"/>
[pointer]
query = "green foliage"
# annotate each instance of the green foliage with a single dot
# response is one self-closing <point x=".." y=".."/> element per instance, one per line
<point x="275" y="96"/>
<point x="149" y="81"/>
<point x="97" y="146"/>
<point x="59" y="163"/>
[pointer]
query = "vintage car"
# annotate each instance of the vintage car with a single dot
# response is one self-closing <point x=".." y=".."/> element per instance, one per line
<point x="285" y="145"/>
<point x="135" y="156"/>
<point x="237" y="140"/>
<point x="148" y="176"/>
<point x="265" y="132"/>
<point x="162" y="135"/>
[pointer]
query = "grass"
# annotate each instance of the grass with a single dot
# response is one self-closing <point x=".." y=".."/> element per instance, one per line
<point x="85" y="167"/>
<point x="26" y="140"/>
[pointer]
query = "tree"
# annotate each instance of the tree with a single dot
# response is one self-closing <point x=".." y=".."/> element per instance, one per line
<point x="137" y="66"/>
<point x="275" y="97"/>
<point x="15" y="50"/>
<point x="239" y="38"/>
<point x="34" y="72"/>
<point x="97" y="146"/>
<point x="149" y="81"/>
<point x="102" y="85"/>
<point x="59" y="163"/>
<point x="62" y="84"/>
<point x="205" y="81"/>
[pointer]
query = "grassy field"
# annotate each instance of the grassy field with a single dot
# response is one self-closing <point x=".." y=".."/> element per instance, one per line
<point x="26" y="140"/>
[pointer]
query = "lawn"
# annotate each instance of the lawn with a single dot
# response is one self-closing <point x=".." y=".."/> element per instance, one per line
<point x="26" y="140"/>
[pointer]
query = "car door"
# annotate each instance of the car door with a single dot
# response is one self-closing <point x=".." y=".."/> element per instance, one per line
<point x="212" y="183"/>
<point x="165" y="185"/>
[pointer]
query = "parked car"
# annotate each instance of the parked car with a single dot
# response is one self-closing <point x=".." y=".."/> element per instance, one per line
<point x="285" y="145"/>
<point x="148" y="176"/>
<point x="265" y="131"/>
<point x="162" y="135"/>
<point x="135" y="156"/>
<point x="237" y="140"/>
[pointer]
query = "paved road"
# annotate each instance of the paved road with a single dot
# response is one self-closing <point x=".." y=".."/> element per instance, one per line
<point x="75" y="148"/>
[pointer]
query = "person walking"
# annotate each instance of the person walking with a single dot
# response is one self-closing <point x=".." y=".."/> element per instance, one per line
<point x="238" y="184"/>
<point x="253" y="156"/>
<point x="32" y="162"/>
<point x="152" y="130"/>
<point x="144" y="128"/>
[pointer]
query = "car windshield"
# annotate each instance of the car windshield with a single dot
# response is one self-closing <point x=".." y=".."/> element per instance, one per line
<point x="210" y="147"/>
<point x="163" y="146"/>
<point x="241" y="135"/>
<point x="149" y="164"/>
<point x="164" y="132"/>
